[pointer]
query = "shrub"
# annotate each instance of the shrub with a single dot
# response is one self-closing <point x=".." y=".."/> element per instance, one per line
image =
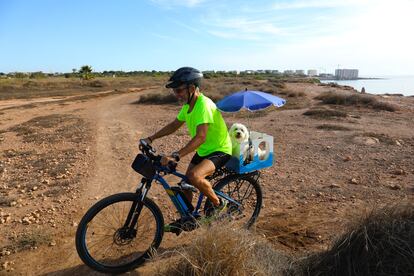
<point x="226" y="250"/>
<point x="382" y="243"/>
<point x="325" y="113"/>
<point x="37" y="75"/>
<point x="96" y="83"/>
<point x="166" y="98"/>
<point x="332" y="127"/>
<point x="292" y="94"/>
<point x="384" y="106"/>
<point x="355" y="99"/>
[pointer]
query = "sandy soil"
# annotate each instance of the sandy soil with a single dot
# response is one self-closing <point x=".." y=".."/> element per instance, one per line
<point x="322" y="177"/>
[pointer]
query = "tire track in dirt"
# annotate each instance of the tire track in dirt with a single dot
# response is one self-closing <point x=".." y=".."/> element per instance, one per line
<point x="113" y="146"/>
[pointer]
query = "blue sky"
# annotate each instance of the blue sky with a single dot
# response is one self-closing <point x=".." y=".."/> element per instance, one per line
<point x="56" y="35"/>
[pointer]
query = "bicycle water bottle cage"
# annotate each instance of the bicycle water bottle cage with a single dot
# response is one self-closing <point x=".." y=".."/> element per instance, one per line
<point x="143" y="165"/>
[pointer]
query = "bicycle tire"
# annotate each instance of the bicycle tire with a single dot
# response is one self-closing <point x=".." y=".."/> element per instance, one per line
<point x="246" y="178"/>
<point x="99" y="207"/>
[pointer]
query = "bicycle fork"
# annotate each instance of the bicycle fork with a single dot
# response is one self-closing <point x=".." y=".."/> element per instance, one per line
<point x="136" y="208"/>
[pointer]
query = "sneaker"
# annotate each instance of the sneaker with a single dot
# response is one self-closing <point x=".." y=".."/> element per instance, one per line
<point x="221" y="210"/>
<point x="174" y="227"/>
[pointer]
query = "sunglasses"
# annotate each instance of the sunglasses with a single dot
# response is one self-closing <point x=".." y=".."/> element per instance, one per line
<point x="179" y="90"/>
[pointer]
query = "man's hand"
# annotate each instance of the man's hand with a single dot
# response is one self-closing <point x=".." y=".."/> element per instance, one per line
<point x="166" y="159"/>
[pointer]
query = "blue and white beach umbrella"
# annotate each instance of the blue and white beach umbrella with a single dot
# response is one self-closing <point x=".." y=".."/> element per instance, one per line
<point x="250" y="100"/>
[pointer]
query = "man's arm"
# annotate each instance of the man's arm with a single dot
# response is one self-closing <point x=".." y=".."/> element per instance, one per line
<point x="167" y="130"/>
<point x="194" y="143"/>
<point x="197" y="140"/>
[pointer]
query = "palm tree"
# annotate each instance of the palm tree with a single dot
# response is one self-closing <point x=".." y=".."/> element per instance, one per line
<point x="86" y="72"/>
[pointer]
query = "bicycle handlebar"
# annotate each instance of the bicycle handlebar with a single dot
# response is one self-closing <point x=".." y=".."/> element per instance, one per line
<point x="149" y="151"/>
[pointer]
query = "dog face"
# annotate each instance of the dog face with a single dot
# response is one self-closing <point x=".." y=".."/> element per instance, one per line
<point x="239" y="133"/>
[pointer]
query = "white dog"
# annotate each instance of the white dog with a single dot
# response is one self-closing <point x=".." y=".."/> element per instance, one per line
<point x="239" y="134"/>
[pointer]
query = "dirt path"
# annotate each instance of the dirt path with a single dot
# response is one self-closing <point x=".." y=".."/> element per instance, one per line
<point x="115" y="130"/>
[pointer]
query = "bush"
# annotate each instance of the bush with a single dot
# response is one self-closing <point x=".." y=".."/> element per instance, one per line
<point x="166" y="98"/>
<point x="292" y="94"/>
<point x="384" y="106"/>
<point x="96" y="83"/>
<point x="355" y="99"/>
<point x="382" y="243"/>
<point x="332" y="127"/>
<point x="226" y="250"/>
<point x="325" y="113"/>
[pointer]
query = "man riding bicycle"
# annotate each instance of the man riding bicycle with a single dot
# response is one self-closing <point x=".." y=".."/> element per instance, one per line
<point x="209" y="136"/>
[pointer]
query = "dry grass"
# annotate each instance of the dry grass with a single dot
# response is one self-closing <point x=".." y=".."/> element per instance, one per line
<point x="226" y="250"/>
<point x="325" y="113"/>
<point x="382" y="243"/>
<point x="333" y="127"/>
<point x="28" y="240"/>
<point x="292" y="94"/>
<point x="6" y="200"/>
<point x="157" y="98"/>
<point x="383" y="138"/>
<point x="355" y="99"/>
<point x="51" y="87"/>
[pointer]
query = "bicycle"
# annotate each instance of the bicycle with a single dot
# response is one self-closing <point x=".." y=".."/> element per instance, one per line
<point x="133" y="225"/>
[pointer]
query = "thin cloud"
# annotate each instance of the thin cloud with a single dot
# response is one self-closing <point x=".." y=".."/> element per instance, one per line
<point x="168" y="4"/>
<point x="318" y="4"/>
<point x="233" y="35"/>
<point x="242" y="28"/>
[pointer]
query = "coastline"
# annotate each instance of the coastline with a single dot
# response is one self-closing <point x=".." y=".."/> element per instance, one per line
<point x="379" y="85"/>
<point x="365" y="78"/>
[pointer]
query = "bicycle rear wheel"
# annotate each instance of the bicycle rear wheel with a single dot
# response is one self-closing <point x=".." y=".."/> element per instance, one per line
<point x="106" y="245"/>
<point x="245" y="190"/>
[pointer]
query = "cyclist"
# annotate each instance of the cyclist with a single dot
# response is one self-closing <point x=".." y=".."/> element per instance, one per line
<point x="209" y="136"/>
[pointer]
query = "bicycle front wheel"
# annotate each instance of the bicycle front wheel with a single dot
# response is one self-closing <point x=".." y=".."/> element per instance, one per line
<point x="244" y="189"/>
<point x="106" y="245"/>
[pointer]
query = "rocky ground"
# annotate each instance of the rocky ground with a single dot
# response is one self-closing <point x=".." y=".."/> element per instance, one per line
<point x="59" y="157"/>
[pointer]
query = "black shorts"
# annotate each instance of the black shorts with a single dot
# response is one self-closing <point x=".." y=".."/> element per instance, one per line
<point x="218" y="158"/>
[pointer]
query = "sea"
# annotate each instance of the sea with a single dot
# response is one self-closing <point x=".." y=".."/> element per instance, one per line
<point x="381" y="84"/>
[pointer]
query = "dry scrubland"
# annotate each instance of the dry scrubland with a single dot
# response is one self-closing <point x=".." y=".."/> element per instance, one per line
<point x="342" y="157"/>
<point x="54" y="87"/>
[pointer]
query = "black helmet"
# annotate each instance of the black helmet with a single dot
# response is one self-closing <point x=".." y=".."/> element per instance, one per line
<point x="185" y="75"/>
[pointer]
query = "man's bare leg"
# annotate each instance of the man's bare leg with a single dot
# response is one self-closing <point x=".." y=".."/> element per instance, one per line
<point x="197" y="176"/>
<point x="189" y="194"/>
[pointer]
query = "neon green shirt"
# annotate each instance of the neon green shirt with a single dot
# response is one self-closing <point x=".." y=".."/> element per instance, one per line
<point x="205" y="112"/>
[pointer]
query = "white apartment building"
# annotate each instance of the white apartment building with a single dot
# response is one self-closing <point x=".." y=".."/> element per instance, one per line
<point x="346" y="74"/>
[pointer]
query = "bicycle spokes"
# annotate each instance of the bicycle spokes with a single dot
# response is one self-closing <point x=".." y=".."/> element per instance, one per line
<point x="108" y="239"/>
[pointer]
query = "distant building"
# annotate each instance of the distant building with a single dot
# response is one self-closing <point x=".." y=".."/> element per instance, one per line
<point x="325" y="76"/>
<point x="312" y="73"/>
<point x="346" y="74"/>
<point x="300" y="72"/>
<point x="288" y="72"/>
